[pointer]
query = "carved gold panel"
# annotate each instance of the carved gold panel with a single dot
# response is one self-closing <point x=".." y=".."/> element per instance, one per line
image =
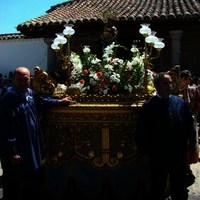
<point x="98" y="133"/>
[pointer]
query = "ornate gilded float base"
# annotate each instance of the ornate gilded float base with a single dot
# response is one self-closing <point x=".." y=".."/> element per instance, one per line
<point x="98" y="133"/>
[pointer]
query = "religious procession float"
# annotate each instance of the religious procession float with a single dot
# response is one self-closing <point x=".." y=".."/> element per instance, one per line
<point x="89" y="144"/>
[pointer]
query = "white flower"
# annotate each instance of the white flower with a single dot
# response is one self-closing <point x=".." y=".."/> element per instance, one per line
<point x="115" y="78"/>
<point x="109" y="67"/>
<point x="92" y="81"/>
<point x="105" y="91"/>
<point x="95" y="61"/>
<point x="117" y="61"/>
<point x="128" y="87"/>
<point x="61" y="88"/>
<point x="135" y="61"/>
<point x="129" y="66"/>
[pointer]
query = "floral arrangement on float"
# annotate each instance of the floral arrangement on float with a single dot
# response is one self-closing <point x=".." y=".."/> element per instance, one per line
<point x="109" y="76"/>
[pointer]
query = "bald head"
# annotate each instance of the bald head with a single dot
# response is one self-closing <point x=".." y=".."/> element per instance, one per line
<point x="22" y="78"/>
<point x="22" y="70"/>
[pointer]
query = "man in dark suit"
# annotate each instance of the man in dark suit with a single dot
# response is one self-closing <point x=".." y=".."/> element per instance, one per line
<point x="164" y="134"/>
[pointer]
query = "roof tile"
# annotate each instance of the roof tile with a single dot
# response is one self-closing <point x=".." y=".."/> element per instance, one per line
<point x="80" y="10"/>
<point x="11" y="36"/>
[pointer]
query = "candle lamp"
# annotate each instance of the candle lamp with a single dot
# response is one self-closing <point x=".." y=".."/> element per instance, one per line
<point x="152" y="47"/>
<point x="61" y="44"/>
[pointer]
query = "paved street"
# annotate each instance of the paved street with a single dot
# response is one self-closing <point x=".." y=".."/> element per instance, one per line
<point x="194" y="190"/>
<point x="194" y="193"/>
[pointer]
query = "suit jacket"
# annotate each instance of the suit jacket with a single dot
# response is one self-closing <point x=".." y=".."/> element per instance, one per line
<point x="165" y="130"/>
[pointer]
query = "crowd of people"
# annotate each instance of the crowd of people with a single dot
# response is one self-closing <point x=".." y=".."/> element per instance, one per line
<point x="189" y="91"/>
<point x="167" y="136"/>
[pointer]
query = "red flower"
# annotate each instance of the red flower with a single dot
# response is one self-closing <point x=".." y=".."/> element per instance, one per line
<point x="95" y="89"/>
<point x="103" y="83"/>
<point x="99" y="74"/>
<point x="82" y="81"/>
<point x="114" y="88"/>
<point x="128" y="76"/>
<point x="85" y="72"/>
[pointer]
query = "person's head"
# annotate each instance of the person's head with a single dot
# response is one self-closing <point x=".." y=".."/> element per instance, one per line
<point x="185" y="77"/>
<point x="163" y="84"/>
<point x="195" y="80"/>
<point x="22" y="78"/>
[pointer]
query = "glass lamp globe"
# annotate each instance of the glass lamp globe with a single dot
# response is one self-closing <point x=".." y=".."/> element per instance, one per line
<point x="60" y="39"/>
<point x="151" y="39"/>
<point x="68" y="31"/>
<point x="86" y="49"/>
<point x="145" y="30"/>
<point x="55" y="46"/>
<point x="159" y="45"/>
